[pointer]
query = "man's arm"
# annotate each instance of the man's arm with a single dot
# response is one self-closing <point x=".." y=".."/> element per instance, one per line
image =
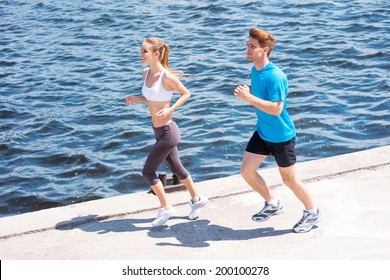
<point x="273" y="108"/>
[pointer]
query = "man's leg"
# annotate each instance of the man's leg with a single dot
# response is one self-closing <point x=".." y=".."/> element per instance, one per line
<point x="272" y="206"/>
<point x="250" y="163"/>
<point x="311" y="214"/>
<point x="292" y="181"/>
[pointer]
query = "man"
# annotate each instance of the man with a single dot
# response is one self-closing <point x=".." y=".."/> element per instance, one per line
<point x="275" y="132"/>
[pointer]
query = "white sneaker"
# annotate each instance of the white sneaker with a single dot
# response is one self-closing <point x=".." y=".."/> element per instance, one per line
<point x="196" y="207"/>
<point x="163" y="216"/>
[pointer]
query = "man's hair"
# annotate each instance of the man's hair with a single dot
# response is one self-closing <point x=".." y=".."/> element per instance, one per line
<point x="265" y="39"/>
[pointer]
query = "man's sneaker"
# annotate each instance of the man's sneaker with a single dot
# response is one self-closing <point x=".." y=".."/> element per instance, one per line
<point x="196" y="207"/>
<point x="268" y="211"/>
<point x="163" y="216"/>
<point x="307" y="222"/>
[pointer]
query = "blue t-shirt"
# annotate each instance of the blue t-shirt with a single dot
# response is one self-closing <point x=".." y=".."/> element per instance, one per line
<point x="270" y="83"/>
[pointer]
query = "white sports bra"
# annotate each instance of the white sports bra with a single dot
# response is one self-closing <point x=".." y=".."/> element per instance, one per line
<point x="157" y="91"/>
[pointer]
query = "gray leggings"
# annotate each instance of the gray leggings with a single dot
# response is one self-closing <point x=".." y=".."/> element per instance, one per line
<point x="167" y="139"/>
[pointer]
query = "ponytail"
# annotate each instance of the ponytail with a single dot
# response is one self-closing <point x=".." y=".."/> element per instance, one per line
<point x="164" y="56"/>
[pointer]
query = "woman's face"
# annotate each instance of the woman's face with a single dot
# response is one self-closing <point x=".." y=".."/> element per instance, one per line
<point x="147" y="55"/>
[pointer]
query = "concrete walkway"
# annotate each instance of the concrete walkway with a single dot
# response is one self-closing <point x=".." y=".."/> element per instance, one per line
<point x="352" y="190"/>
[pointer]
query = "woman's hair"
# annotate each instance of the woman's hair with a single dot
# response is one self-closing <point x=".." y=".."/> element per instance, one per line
<point x="159" y="46"/>
<point x="265" y="39"/>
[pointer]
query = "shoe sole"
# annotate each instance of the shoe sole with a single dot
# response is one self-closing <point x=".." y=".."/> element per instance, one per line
<point x="280" y="211"/>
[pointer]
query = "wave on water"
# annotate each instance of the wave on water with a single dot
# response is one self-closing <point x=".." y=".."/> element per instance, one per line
<point x="67" y="136"/>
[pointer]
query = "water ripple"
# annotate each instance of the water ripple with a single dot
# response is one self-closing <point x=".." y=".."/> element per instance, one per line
<point x="67" y="136"/>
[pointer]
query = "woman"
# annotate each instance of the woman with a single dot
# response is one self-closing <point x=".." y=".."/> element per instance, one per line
<point x="157" y="90"/>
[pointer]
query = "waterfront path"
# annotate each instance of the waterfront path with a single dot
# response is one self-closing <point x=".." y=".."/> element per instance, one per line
<point x="352" y="191"/>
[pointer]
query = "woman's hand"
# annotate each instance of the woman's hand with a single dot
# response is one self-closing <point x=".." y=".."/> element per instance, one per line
<point x="164" y="113"/>
<point x="130" y="100"/>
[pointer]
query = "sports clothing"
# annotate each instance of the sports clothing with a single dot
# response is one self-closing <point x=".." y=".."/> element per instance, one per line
<point x="163" y="216"/>
<point x="157" y="91"/>
<point x="196" y="207"/>
<point x="283" y="152"/>
<point x="270" y="83"/>
<point x="268" y="211"/>
<point x="307" y="221"/>
<point x="165" y="148"/>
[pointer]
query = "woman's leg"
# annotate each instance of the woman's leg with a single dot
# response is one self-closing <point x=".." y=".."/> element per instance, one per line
<point x="179" y="170"/>
<point x="175" y="164"/>
<point x="164" y="145"/>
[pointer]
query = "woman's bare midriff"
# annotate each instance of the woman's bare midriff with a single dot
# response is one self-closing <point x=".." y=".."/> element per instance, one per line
<point x="154" y="108"/>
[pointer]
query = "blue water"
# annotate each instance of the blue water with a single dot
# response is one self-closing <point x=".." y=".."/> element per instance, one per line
<point x="67" y="136"/>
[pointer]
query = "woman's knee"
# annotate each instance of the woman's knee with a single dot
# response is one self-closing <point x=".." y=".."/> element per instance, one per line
<point x="182" y="174"/>
<point x="151" y="178"/>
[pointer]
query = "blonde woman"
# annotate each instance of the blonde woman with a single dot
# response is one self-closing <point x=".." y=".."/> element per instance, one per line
<point x="159" y="84"/>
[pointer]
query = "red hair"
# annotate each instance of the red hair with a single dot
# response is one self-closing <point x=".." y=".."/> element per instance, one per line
<point x="265" y="39"/>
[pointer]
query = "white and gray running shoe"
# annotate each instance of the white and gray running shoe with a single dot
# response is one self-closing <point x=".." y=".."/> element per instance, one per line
<point x="163" y="216"/>
<point x="307" y="222"/>
<point x="196" y="207"/>
<point x="268" y="211"/>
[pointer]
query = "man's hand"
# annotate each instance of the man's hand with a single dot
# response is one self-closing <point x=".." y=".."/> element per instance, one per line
<point x="242" y="92"/>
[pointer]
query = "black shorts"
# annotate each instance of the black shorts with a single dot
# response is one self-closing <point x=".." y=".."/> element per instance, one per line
<point x="283" y="152"/>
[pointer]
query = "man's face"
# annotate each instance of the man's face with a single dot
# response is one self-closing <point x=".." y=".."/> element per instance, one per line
<point x="254" y="52"/>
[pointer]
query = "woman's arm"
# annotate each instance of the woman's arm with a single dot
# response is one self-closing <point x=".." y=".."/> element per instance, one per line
<point x="130" y="100"/>
<point x="173" y="83"/>
<point x="180" y="88"/>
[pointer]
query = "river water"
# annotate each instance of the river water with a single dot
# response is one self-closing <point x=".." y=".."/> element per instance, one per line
<point x="67" y="135"/>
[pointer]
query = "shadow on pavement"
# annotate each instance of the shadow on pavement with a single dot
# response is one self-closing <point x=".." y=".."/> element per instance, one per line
<point x="193" y="234"/>
<point x="199" y="233"/>
<point x="94" y="223"/>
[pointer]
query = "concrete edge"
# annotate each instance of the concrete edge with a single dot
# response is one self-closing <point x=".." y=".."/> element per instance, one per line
<point x="115" y="207"/>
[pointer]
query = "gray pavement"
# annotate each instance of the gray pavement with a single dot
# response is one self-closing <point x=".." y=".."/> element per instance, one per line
<point x="352" y="191"/>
